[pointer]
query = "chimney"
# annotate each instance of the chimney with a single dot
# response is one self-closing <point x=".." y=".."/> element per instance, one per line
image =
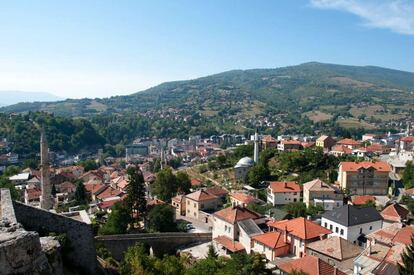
<point x="335" y="271"/>
<point x="285" y="184"/>
<point x="285" y="234"/>
<point x="369" y="249"/>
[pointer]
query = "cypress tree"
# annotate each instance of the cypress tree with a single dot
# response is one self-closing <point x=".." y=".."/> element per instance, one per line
<point x="136" y="192"/>
<point x="407" y="257"/>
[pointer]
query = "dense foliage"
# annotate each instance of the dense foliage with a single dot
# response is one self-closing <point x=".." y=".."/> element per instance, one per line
<point x="168" y="185"/>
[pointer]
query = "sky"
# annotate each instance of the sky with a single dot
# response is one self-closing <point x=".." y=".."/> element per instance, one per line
<point x="101" y="48"/>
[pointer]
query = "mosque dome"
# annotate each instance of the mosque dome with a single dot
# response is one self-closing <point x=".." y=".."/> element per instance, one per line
<point x="245" y="162"/>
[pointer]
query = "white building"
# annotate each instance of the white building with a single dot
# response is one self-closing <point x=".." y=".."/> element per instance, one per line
<point x="352" y="223"/>
<point x="242" y="168"/>
<point x="284" y="192"/>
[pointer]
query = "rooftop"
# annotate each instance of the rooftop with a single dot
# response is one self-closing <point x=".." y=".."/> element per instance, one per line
<point x="349" y="215"/>
<point x="380" y="166"/>
<point x="336" y="247"/>
<point x="250" y="227"/>
<point x="394" y="212"/>
<point x="311" y="265"/>
<point x="284" y="186"/>
<point x="271" y="239"/>
<point x="229" y="244"/>
<point x="301" y="228"/>
<point x="200" y="195"/>
<point x="236" y="214"/>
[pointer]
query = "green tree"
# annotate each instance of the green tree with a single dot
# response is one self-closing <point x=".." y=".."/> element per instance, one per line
<point x="296" y="209"/>
<point x="369" y="203"/>
<point x="407" y="266"/>
<point x="183" y="182"/>
<point x="80" y="193"/>
<point x="165" y="185"/>
<point x="89" y="165"/>
<point x="137" y="261"/>
<point x="212" y="254"/>
<point x="171" y="265"/>
<point x="118" y="220"/>
<point x="257" y="174"/>
<point x="208" y="266"/>
<point x="5" y="183"/>
<point x="408" y="175"/>
<point x="136" y="192"/>
<point x="161" y="219"/>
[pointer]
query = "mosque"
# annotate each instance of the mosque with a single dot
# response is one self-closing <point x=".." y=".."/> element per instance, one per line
<point x="241" y="169"/>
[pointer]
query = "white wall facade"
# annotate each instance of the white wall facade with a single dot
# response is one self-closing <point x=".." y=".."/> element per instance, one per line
<point x="283" y="197"/>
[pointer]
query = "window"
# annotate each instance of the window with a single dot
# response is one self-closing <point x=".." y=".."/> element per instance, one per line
<point x="326" y="225"/>
<point x="330" y="226"/>
<point x="195" y="205"/>
<point x="188" y="202"/>
<point x="342" y="232"/>
<point x="225" y="228"/>
<point x="360" y="230"/>
<point x="370" y="227"/>
<point x="202" y="205"/>
<point x="336" y="230"/>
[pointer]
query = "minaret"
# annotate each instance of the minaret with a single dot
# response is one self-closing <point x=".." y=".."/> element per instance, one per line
<point x="256" y="147"/>
<point x="46" y="201"/>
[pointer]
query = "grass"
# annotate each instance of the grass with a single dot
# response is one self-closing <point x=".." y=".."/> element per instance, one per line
<point x="354" y="123"/>
<point x="317" y="116"/>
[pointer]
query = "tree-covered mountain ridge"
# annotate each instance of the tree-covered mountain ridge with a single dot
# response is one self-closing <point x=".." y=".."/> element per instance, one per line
<point x="305" y="87"/>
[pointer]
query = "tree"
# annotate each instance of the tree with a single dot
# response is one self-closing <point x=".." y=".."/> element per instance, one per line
<point x="136" y="191"/>
<point x="407" y="266"/>
<point x="212" y="254"/>
<point x="54" y="191"/>
<point x="161" y="219"/>
<point x="369" y="203"/>
<point x="296" y="209"/>
<point x="80" y="193"/>
<point x="257" y="174"/>
<point x="171" y="265"/>
<point x="89" y="165"/>
<point x="118" y="220"/>
<point x="183" y="182"/>
<point x="165" y="185"/>
<point x="408" y="175"/>
<point x="137" y="261"/>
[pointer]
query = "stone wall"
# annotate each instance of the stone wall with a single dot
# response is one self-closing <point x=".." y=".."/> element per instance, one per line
<point x="82" y="252"/>
<point x="161" y="243"/>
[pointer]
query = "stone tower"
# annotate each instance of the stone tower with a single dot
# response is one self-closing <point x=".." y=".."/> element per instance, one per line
<point x="46" y="201"/>
<point x="256" y="147"/>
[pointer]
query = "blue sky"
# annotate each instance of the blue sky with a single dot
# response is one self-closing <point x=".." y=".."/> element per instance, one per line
<point x="102" y="48"/>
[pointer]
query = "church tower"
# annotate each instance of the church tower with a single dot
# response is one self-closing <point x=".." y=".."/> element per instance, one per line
<point x="256" y="148"/>
<point x="46" y="201"/>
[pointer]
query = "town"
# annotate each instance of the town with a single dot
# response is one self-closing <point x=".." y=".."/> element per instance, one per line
<point x="298" y="202"/>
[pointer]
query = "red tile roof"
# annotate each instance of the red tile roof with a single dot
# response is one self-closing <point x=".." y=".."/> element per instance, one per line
<point x="349" y="141"/>
<point x="108" y="204"/>
<point x="229" y="244"/>
<point x="271" y="239"/>
<point x="301" y="228"/>
<point x="407" y="139"/>
<point x="342" y="148"/>
<point x="360" y="200"/>
<point x="33" y="193"/>
<point x="94" y="188"/>
<point x="291" y="142"/>
<point x="196" y="182"/>
<point x="109" y="192"/>
<point x="393" y="234"/>
<point x="311" y="265"/>
<point x="284" y="186"/>
<point x="409" y="191"/>
<point x="236" y="214"/>
<point x="380" y="166"/>
<point x="242" y="197"/>
<point x="217" y="191"/>
<point x="394" y="212"/>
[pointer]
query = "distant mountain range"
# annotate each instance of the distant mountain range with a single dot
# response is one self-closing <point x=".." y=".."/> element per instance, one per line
<point x="351" y="96"/>
<point x="14" y="97"/>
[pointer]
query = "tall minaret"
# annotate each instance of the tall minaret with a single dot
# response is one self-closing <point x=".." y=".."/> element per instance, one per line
<point x="46" y="201"/>
<point x="256" y="147"/>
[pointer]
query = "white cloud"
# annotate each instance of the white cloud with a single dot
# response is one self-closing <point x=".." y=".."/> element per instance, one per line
<point x="395" y="15"/>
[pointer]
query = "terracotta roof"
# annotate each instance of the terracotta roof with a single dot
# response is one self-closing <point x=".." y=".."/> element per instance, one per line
<point x="229" y="244"/>
<point x="380" y="166"/>
<point x="336" y="247"/>
<point x="301" y="228"/>
<point x="374" y="148"/>
<point x="342" y="148"/>
<point x="410" y="191"/>
<point x="322" y="138"/>
<point x="236" y="214"/>
<point x="268" y="138"/>
<point x="394" y="212"/>
<point x="242" y="197"/>
<point x="33" y="193"/>
<point x="108" y="193"/>
<point x="311" y="265"/>
<point x="200" y="195"/>
<point x="67" y="187"/>
<point x="308" y="144"/>
<point x="349" y="141"/>
<point x="108" y="204"/>
<point x="196" y="182"/>
<point x="360" y="200"/>
<point x="155" y="202"/>
<point x="407" y="139"/>
<point x="291" y="142"/>
<point x="318" y="185"/>
<point x="178" y="198"/>
<point x="94" y="188"/>
<point x="271" y="239"/>
<point x="217" y="191"/>
<point x="284" y="186"/>
<point x="395" y="233"/>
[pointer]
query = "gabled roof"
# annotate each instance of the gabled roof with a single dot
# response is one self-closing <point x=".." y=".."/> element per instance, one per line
<point x="109" y="192"/>
<point x="349" y="141"/>
<point x="284" y="186"/>
<point x="242" y="197"/>
<point x="395" y="233"/>
<point x="301" y="228"/>
<point x="235" y="214"/>
<point x="250" y="227"/>
<point x="342" y="148"/>
<point x="217" y="191"/>
<point x="311" y="265"/>
<point x="350" y="166"/>
<point x="394" y="212"/>
<point x="360" y="200"/>
<point x="318" y="185"/>
<point x="336" y="247"/>
<point x="272" y="239"/>
<point x="200" y="195"/>
<point x="349" y="215"/>
<point x="229" y="244"/>
<point x="323" y="138"/>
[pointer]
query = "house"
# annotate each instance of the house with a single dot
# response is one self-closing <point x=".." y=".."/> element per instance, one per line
<point x="198" y="201"/>
<point x="226" y="230"/>
<point x="283" y="192"/>
<point x="299" y="232"/>
<point x="336" y="251"/>
<point x="32" y="196"/>
<point x="350" y="143"/>
<point x="409" y="192"/>
<point x="289" y="145"/>
<point x="218" y="192"/>
<point x="325" y="142"/>
<point x="196" y="183"/>
<point x="20" y="179"/>
<point x="240" y="198"/>
<point x="340" y="150"/>
<point x="361" y="200"/>
<point x="242" y="167"/>
<point x="394" y="213"/>
<point x="310" y="264"/>
<point x="384" y="249"/>
<point x="247" y="230"/>
<point x="364" y="178"/>
<point x="271" y="244"/>
<point x="406" y="143"/>
<point x="352" y="223"/>
<point x="178" y="202"/>
<point x="269" y="142"/>
<point x="94" y="188"/>
<point x="317" y="192"/>
<point x="109" y="193"/>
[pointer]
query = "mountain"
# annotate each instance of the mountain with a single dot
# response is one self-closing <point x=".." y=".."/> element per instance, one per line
<point x="311" y="96"/>
<point x="13" y="97"/>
